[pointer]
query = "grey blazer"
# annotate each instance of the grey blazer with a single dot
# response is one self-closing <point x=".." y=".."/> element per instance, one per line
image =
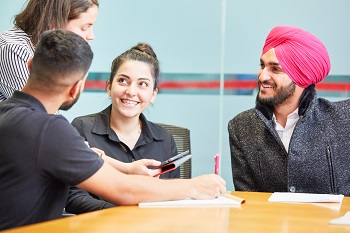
<point x="319" y="151"/>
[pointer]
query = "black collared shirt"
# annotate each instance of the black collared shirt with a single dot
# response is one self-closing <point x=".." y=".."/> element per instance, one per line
<point x="155" y="142"/>
<point x="37" y="165"/>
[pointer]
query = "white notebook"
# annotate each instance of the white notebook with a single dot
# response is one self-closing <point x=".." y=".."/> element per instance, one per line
<point x="219" y="202"/>
<point x="305" y="197"/>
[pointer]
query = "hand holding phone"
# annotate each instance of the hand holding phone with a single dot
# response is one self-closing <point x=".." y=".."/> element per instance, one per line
<point x="174" y="162"/>
<point x="175" y="158"/>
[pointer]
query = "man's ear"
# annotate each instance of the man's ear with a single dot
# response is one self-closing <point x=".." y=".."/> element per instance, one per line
<point x="75" y="89"/>
<point x="29" y="63"/>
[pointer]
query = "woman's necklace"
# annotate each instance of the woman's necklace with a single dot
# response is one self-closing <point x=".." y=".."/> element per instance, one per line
<point x="130" y="138"/>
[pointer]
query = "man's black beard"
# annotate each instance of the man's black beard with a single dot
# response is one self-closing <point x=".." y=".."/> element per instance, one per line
<point x="281" y="95"/>
<point x="68" y="104"/>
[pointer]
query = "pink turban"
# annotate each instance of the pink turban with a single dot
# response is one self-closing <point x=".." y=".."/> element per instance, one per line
<point x="301" y="55"/>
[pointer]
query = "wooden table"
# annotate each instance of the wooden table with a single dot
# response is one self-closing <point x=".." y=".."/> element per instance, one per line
<point x="255" y="215"/>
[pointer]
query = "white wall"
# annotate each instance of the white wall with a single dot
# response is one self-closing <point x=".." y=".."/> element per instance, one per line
<point x="186" y="35"/>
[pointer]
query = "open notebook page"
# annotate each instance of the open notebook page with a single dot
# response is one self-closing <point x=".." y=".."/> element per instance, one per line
<point x="220" y="201"/>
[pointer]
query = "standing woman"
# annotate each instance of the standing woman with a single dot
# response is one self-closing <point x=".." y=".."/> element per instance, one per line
<point x="17" y="45"/>
<point x="121" y="130"/>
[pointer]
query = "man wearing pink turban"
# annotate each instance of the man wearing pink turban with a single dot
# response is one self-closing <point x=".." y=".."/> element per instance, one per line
<point x="292" y="140"/>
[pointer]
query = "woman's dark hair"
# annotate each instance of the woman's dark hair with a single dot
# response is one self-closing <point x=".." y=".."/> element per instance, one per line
<point x="141" y="52"/>
<point x="42" y="15"/>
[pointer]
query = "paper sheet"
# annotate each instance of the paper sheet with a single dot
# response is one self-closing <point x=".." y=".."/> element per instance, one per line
<point x="345" y="220"/>
<point x="220" y="201"/>
<point x="305" y="197"/>
<point x="334" y="206"/>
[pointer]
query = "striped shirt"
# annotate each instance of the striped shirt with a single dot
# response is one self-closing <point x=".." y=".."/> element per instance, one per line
<point x="15" y="50"/>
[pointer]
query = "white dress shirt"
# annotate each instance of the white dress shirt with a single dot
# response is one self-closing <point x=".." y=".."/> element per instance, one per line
<point x="286" y="133"/>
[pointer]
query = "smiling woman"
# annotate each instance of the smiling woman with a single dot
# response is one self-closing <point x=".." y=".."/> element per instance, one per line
<point x="131" y="91"/>
<point x="18" y="44"/>
<point x="132" y="87"/>
<point x="121" y="130"/>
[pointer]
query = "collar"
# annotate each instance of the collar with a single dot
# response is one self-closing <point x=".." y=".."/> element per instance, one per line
<point x="28" y="99"/>
<point x="102" y="126"/>
<point x="292" y="115"/>
<point x="308" y="95"/>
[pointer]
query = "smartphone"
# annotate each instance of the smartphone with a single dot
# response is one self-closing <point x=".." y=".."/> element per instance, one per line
<point x="175" y="157"/>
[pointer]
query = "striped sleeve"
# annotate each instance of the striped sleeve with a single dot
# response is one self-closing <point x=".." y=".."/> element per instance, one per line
<point x="14" y="56"/>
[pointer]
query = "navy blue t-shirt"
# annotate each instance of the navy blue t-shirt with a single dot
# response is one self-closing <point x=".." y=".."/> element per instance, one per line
<point x="41" y="155"/>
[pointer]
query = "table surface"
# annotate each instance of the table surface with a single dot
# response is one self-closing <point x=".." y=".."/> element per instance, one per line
<point x="255" y="215"/>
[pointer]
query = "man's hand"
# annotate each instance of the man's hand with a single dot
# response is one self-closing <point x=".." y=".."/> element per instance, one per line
<point x="208" y="186"/>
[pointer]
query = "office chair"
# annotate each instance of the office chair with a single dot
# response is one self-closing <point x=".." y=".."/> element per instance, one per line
<point x="182" y="139"/>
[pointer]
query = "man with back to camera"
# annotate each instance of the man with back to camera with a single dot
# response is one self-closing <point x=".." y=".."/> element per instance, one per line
<point x="292" y="140"/>
<point x="42" y="154"/>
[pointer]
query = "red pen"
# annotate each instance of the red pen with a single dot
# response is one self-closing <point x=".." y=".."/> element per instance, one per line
<point x="217" y="164"/>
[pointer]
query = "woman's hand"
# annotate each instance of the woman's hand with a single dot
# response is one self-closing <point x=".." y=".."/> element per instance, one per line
<point x="141" y="167"/>
<point x="138" y="167"/>
<point x="98" y="151"/>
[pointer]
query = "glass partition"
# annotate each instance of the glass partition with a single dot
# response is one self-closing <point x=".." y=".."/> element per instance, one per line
<point x="209" y="53"/>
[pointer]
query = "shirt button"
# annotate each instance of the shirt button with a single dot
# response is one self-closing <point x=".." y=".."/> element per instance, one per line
<point x="292" y="189"/>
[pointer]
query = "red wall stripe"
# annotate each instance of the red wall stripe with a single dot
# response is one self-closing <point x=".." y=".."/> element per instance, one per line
<point x="212" y="85"/>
